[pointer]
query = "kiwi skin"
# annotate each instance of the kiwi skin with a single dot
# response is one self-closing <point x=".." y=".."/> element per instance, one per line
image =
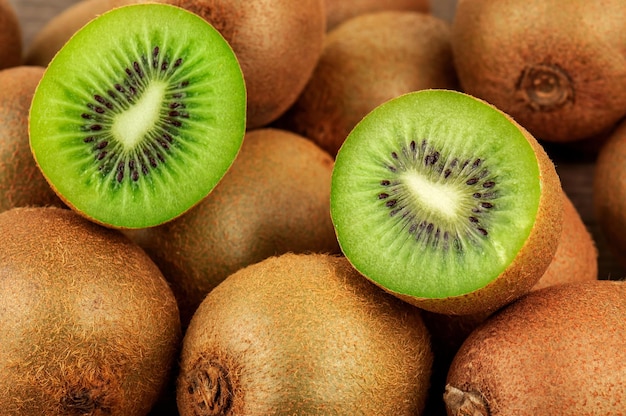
<point x="90" y="326"/>
<point x="21" y="181"/>
<point x="555" y="66"/>
<point x="558" y="350"/>
<point x="366" y="61"/>
<point x="609" y="192"/>
<point x="10" y="36"/>
<point x="277" y="43"/>
<point x="274" y="199"/>
<point x="303" y="335"/>
<point x="338" y="11"/>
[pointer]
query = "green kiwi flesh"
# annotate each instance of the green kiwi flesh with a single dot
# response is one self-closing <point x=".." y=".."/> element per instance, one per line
<point x="303" y="335"/>
<point x="434" y="195"/>
<point x="139" y="115"/>
<point x="89" y="324"/>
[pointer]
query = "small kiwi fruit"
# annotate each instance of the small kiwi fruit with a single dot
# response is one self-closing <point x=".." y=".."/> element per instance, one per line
<point x="338" y="11"/>
<point x="21" y="181"/>
<point x="556" y="67"/>
<point x="366" y="61"/>
<point x="89" y="324"/>
<point x="277" y="43"/>
<point x="609" y="193"/>
<point x="141" y="128"/>
<point x="274" y="199"/>
<point x="10" y="36"/>
<point x="556" y="351"/>
<point x="303" y="335"/>
<point x="447" y="202"/>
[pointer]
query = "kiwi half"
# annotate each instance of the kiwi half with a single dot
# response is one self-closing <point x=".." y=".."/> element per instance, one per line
<point x="139" y="115"/>
<point x="445" y="201"/>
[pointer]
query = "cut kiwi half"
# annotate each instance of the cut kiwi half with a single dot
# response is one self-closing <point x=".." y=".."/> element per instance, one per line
<point x="445" y="201"/>
<point x="139" y="115"/>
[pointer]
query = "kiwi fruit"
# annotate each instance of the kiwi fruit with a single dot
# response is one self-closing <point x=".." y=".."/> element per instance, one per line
<point x="141" y="128"/>
<point x="21" y="181"/>
<point x="10" y="36"/>
<point x="277" y="43"/>
<point x="558" y="350"/>
<point x="609" y="193"/>
<point x="303" y="335"/>
<point x="338" y="11"/>
<point x="89" y="324"/>
<point x="274" y="199"/>
<point x="556" y="67"/>
<point x="445" y="201"/>
<point x="366" y="61"/>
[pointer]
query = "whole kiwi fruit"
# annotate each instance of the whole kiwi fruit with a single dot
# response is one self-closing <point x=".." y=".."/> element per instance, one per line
<point x="369" y="59"/>
<point x="277" y="43"/>
<point x="21" y="181"/>
<point x="338" y="11"/>
<point x="303" y="335"/>
<point x="558" y="350"/>
<point x="556" y="67"/>
<point x="10" y="36"/>
<point x="89" y="324"/>
<point x="274" y="199"/>
<point x="447" y="202"/>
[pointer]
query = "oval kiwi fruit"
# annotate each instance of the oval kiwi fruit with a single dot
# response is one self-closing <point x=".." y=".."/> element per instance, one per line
<point x="303" y="335"/>
<point x="274" y="199"/>
<point x="21" y="181"/>
<point x="141" y="128"/>
<point x="89" y="324"/>
<point x="366" y="61"/>
<point x="10" y="36"/>
<point x="339" y="11"/>
<point x="556" y="351"/>
<point x="277" y="43"/>
<point x="557" y="68"/>
<point x="445" y="201"/>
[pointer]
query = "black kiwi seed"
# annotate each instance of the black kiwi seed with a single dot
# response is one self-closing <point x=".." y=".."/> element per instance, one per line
<point x="430" y="162"/>
<point x="159" y="143"/>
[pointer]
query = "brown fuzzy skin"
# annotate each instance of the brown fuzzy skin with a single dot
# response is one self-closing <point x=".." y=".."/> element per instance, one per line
<point x="609" y="192"/>
<point x="338" y="11"/>
<point x="274" y="199"/>
<point x="277" y="43"/>
<point x="89" y="324"/>
<point x="576" y="257"/>
<point x="366" y="61"/>
<point x="303" y="335"/>
<point x="557" y="351"/>
<point x="502" y="47"/>
<point x="21" y="181"/>
<point x="10" y="36"/>
<point x="531" y="261"/>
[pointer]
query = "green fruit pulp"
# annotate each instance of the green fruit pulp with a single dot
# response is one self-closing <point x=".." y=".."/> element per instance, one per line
<point x="434" y="193"/>
<point x="139" y="115"/>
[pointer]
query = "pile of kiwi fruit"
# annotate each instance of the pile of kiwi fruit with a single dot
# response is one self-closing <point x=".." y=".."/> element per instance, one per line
<point x="312" y="207"/>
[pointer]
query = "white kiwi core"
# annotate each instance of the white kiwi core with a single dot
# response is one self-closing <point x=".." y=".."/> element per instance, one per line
<point x="441" y="199"/>
<point x="130" y="126"/>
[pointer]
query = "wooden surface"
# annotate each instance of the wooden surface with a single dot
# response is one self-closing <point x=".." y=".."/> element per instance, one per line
<point x="576" y="168"/>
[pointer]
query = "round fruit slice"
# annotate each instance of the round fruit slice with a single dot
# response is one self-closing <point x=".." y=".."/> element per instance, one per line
<point x="443" y="200"/>
<point x="139" y="115"/>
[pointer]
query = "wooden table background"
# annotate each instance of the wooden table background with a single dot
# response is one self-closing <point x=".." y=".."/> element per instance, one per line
<point x="576" y="168"/>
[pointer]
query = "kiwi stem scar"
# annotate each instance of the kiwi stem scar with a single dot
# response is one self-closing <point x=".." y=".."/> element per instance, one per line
<point x="439" y="198"/>
<point x="130" y="126"/>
